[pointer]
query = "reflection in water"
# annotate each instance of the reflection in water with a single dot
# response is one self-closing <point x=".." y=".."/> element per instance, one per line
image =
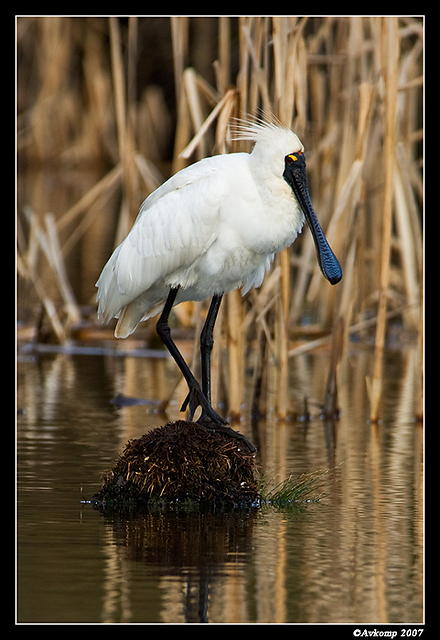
<point x="354" y="557"/>
<point x="186" y="552"/>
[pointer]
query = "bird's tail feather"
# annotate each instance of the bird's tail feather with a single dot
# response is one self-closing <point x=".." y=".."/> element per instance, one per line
<point x="128" y="320"/>
<point x="132" y="314"/>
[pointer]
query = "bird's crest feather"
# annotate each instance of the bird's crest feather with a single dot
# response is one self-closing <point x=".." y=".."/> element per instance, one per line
<point x="254" y="129"/>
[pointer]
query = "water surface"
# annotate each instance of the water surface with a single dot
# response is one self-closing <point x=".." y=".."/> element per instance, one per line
<point x="355" y="556"/>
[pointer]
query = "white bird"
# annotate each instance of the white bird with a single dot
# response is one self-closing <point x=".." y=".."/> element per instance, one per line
<point x="212" y="227"/>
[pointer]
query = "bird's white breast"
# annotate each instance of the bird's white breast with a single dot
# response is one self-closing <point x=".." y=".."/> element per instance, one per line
<point x="212" y="227"/>
<point x="256" y="219"/>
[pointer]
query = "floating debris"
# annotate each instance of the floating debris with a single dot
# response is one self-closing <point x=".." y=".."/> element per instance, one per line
<point x="181" y="463"/>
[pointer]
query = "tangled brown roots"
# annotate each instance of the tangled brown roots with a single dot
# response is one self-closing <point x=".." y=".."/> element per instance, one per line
<point x="179" y="462"/>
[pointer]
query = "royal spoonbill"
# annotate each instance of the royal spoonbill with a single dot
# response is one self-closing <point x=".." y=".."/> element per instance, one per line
<point x="212" y="227"/>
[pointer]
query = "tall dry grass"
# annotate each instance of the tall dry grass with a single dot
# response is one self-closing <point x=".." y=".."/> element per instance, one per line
<point x="144" y="97"/>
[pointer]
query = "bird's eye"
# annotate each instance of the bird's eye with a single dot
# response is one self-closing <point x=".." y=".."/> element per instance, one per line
<point x="293" y="157"/>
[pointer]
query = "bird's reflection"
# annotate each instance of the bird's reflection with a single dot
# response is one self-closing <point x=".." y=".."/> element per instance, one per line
<point x="195" y="547"/>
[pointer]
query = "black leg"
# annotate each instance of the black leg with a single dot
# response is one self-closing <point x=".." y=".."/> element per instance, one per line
<point x="195" y="397"/>
<point x="206" y="344"/>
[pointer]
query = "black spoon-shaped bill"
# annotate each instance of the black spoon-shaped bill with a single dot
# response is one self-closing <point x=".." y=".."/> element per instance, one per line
<point x="295" y="176"/>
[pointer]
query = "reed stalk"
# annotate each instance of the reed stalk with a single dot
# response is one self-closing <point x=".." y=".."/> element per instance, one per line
<point x="235" y="355"/>
<point x="390" y="56"/>
<point x="89" y="94"/>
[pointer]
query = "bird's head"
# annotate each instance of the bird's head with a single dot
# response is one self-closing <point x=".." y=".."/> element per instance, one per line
<point x="283" y="155"/>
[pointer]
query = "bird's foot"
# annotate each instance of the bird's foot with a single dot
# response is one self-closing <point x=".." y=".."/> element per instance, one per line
<point x="196" y="398"/>
<point x="209" y="418"/>
<point x="226" y="429"/>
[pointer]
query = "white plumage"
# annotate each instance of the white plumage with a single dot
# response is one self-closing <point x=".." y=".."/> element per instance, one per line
<point x="210" y="228"/>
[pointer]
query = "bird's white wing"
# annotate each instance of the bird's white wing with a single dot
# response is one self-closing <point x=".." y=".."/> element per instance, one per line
<point x="176" y="224"/>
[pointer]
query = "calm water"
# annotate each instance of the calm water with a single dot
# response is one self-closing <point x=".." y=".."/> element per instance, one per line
<point x="356" y="556"/>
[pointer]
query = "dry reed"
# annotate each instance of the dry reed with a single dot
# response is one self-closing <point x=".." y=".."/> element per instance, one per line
<point x="351" y="87"/>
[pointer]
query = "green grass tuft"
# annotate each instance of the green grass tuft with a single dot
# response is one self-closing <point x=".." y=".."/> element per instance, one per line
<point x="295" y="490"/>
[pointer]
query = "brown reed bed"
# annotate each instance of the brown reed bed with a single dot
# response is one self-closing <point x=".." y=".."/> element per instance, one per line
<point x="140" y="98"/>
